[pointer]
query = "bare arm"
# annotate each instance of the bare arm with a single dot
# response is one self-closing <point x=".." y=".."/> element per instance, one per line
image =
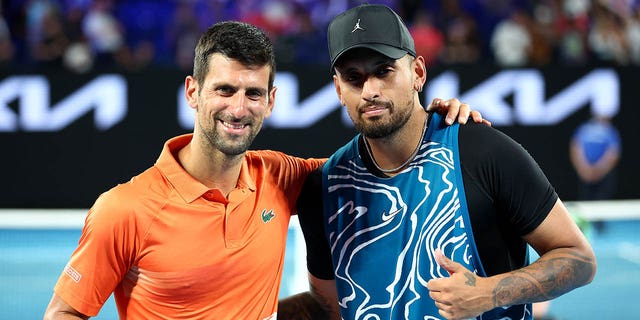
<point x="60" y="310"/>
<point x="608" y="161"/>
<point x="566" y="262"/>
<point x="580" y="163"/>
<point x="320" y="303"/>
<point x="595" y="172"/>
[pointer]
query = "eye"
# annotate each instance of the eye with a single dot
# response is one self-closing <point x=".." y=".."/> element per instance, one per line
<point x="353" y="78"/>
<point x="226" y="91"/>
<point x="383" y="71"/>
<point x="254" y="94"/>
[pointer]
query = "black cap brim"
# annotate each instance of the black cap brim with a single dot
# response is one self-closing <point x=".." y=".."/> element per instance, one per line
<point x="387" y="50"/>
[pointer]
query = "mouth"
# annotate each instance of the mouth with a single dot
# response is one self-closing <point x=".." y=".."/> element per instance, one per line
<point x="374" y="110"/>
<point x="234" y="127"/>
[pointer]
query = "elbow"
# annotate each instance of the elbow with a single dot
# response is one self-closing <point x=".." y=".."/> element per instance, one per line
<point x="586" y="268"/>
<point x="594" y="269"/>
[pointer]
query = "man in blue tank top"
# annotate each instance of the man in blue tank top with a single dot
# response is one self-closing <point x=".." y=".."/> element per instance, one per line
<point x="420" y="220"/>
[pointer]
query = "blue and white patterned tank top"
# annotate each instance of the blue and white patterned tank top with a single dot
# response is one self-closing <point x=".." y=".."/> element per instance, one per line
<point x="383" y="232"/>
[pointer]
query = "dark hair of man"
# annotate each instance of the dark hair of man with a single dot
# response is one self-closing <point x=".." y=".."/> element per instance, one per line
<point x="239" y="41"/>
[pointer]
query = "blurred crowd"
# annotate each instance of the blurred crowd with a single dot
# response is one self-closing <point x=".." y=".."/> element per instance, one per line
<point x="82" y="35"/>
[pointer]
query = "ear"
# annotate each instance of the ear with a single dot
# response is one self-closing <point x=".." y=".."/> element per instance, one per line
<point x="271" y="102"/>
<point x="191" y="89"/>
<point x="420" y="72"/>
<point x="336" y="83"/>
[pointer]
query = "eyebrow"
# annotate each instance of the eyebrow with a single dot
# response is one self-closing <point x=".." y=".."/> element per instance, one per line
<point x="261" y="90"/>
<point x="216" y="85"/>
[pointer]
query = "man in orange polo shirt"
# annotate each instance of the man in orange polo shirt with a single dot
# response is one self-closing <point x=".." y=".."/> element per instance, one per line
<point x="202" y="233"/>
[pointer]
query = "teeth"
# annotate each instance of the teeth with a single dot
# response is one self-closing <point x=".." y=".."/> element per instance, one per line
<point x="232" y="126"/>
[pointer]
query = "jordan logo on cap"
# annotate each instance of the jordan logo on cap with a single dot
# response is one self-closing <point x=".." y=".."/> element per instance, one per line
<point x="357" y="27"/>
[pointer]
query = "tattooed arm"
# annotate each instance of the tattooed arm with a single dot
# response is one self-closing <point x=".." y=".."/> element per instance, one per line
<point x="566" y="262"/>
<point x="319" y="303"/>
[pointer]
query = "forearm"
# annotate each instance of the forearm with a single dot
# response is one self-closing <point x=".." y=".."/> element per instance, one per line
<point x="555" y="273"/>
<point x="58" y="309"/>
<point x="302" y="306"/>
<point x="605" y="164"/>
<point x="65" y="316"/>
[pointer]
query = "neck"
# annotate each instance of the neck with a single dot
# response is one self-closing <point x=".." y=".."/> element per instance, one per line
<point x="393" y="153"/>
<point x="210" y="167"/>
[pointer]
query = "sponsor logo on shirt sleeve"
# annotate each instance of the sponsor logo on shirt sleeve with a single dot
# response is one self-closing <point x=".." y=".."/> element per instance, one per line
<point x="72" y="273"/>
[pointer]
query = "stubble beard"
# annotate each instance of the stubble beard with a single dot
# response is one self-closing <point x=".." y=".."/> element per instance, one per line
<point x="377" y="127"/>
<point x="231" y="145"/>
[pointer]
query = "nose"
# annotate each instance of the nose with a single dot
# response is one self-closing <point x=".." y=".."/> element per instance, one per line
<point x="238" y="105"/>
<point x="370" y="89"/>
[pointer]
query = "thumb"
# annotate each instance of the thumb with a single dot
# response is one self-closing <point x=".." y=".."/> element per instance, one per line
<point x="446" y="263"/>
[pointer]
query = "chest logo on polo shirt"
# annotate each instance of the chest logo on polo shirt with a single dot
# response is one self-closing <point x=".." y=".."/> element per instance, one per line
<point x="267" y="215"/>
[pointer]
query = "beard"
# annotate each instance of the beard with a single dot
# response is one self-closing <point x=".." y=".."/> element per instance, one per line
<point x="380" y="126"/>
<point x="229" y="144"/>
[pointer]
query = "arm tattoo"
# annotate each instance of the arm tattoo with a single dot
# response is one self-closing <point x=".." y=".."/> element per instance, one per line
<point x="544" y="280"/>
<point x="471" y="279"/>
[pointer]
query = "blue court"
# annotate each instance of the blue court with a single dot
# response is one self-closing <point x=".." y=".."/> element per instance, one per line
<point x="31" y="261"/>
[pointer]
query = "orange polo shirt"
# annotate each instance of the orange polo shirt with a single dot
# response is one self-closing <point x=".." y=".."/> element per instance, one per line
<point x="170" y="248"/>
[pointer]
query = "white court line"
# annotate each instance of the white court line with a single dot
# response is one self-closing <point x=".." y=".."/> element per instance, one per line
<point x="42" y="218"/>
<point x="605" y="209"/>
<point x="74" y="218"/>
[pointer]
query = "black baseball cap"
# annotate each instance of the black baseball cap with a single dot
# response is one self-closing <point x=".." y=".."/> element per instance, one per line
<point x="371" y="26"/>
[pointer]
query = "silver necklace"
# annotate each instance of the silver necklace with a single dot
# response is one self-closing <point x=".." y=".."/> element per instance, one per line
<point x="404" y="164"/>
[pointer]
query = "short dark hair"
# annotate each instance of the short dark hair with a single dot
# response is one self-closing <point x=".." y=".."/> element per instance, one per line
<point x="239" y="41"/>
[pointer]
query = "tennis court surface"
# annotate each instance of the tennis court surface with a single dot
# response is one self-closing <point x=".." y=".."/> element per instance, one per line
<point x="32" y="256"/>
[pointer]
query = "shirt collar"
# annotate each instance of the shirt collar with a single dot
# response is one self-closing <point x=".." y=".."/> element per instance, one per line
<point x="185" y="185"/>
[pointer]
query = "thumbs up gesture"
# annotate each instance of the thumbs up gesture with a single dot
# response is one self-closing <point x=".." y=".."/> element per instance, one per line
<point x="463" y="294"/>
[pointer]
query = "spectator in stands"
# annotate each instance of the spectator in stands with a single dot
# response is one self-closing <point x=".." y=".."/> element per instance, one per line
<point x="429" y="40"/>
<point x="511" y="41"/>
<point x="7" y="49"/>
<point x="462" y="40"/>
<point x="540" y="28"/>
<point x="78" y="57"/>
<point x="46" y="33"/>
<point x="573" y="33"/>
<point x="303" y="43"/>
<point x="182" y="34"/>
<point x="103" y="31"/>
<point x="607" y="39"/>
<point x="632" y="32"/>
<point x="473" y="31"/>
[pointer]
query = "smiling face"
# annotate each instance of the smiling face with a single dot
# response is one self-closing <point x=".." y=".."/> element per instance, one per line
<point x="379" y="92"/>
<point x="231" y="105"/>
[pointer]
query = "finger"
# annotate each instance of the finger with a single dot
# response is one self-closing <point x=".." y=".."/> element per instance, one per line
<point x="464" y="113"/>
<point x="453" y="106"/>
<point x="440" y="286"/>
<point x="445" y="314"/>
<point x="476" y="116"/>
<point x="448" y="264"/>
<point x="443" y="306"/>
<point x="435" y="105"/>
